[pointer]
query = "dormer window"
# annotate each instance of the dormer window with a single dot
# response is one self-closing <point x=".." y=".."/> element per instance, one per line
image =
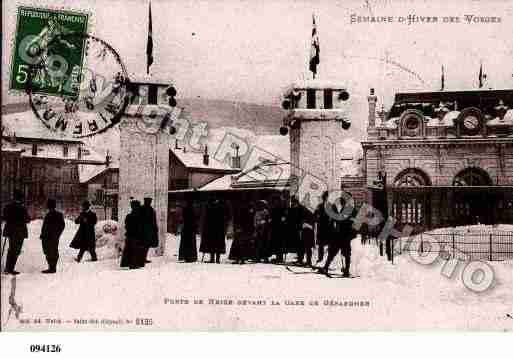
<point x="412" y="123"/>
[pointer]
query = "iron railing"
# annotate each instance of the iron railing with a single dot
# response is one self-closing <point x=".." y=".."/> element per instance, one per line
<point x="487" y="245"/>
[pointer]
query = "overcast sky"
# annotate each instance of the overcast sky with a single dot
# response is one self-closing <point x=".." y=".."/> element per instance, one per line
<point x="250" y="50"/>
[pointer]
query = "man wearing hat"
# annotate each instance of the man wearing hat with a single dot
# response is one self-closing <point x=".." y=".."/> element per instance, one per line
<point x="53" y="225"/>
<point x="85" y="238"/>
<point x="16" y="219"/>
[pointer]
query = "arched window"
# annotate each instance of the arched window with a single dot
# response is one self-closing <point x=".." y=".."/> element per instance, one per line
<point x="411" y="123"/>
<point x="412" y="177"/>
<point x="472" y="176"/>
<point x="411" y="206"/>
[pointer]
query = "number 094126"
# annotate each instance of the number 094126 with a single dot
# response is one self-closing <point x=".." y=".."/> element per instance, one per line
<point x="45" y="348"/>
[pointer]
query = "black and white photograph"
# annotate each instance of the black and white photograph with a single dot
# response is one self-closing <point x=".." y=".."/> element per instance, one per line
<point x="256" y="166"/>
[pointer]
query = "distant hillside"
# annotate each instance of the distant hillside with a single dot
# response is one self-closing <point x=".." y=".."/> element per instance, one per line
<point x="260" y="119"/>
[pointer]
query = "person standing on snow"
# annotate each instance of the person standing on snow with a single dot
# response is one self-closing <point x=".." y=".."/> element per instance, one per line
<point x="150" y="227"/>
<point x="342" y="212"/>
<point x="16" y="219"/>
<point x="323" y="225"/>
<point x="262" y="232"/>
<point x="213" y="233"/>
<point x="85" y="238"/>
<point x="278" y="229"/>
<point x="135" y="246"/>
<point x="187" y="251"/>
<point x="53" y="226"/>
<point x="243" y="246"/>
<point x="307" y="236"/>
<point x="294" y="224"/>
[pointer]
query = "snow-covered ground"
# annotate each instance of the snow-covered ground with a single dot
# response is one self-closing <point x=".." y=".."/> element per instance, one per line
<point x="403" y="295"/>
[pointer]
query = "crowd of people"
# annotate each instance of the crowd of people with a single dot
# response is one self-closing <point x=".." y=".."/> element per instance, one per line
<point x="261" y="233"/>
<point x="268" y="233"/>
<point x="141" y="233"/>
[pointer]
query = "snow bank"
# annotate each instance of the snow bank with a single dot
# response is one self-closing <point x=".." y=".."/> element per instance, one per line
<point x="403" y="295"/>
<point x="108" y="242"/>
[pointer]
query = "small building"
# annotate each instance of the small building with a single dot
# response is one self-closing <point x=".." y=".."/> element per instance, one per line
<point x="191" y="170"/>
<point x="43" y="164"/>
<point x="101" y="185"/>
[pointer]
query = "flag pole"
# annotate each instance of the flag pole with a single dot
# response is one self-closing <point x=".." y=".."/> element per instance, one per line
<point x="149" y="43"/>
<point x="442" y="85"/>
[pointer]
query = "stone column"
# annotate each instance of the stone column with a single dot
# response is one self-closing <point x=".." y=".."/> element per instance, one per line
<point x="143" y="172"/>
<point x="144" y="159"/>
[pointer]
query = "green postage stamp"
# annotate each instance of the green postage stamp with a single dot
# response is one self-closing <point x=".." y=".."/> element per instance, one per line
<point x="48" y="51"/>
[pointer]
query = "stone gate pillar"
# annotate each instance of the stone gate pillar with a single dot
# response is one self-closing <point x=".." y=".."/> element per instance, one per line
<point x="317" y="121"/>
<point x="144" y="153"/>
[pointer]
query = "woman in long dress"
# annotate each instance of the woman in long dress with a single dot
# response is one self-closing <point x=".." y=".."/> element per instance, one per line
<point x="187" y="251"/>
<point x="134" y="254"/>
<point x="242" y="247"/>
<point x="214" y="231"/>
<point x="262" y="232"/>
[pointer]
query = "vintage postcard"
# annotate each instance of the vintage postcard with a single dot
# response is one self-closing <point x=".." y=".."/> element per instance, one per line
<point x="256" y="166"/>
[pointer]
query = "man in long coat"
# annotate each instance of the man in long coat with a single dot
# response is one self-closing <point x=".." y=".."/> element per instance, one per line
<point x="323" y="226"/>
<point x="294" y="224"/>
<point x="150" y="227"/>
<point x="278" y="229"/>
<point x="243" y="245"/>
<point x="262" y="225"/>
<point x="135" y="246"/>
<point x="213" y="232"/>
<point x="85" y="238"/>
<point x="307" y="237"/>
<point x="342" y="233"/>
<point x="16" y="219"/>
<point x="53" y="226"/>
<point x="187" y="251"/>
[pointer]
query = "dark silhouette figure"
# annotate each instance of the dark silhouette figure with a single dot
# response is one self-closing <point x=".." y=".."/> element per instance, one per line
<point x="294" y="225"/>
<point x="150" y="227"/>
<point x="307" y="237"/>
<point x="53" y="226"/>
<point x="262" y="225"/>
<point x="278" y="228"/>
<point x="213" y="233"/>
<point x="323" y="226"/>
<point x="343" y="233"/>
<point x="134" y="253"/>
<point x="188" y="249"/>
<point x="16" y="219"/>
<point x="243" y="247"/>
<point x="85" y="238"/>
